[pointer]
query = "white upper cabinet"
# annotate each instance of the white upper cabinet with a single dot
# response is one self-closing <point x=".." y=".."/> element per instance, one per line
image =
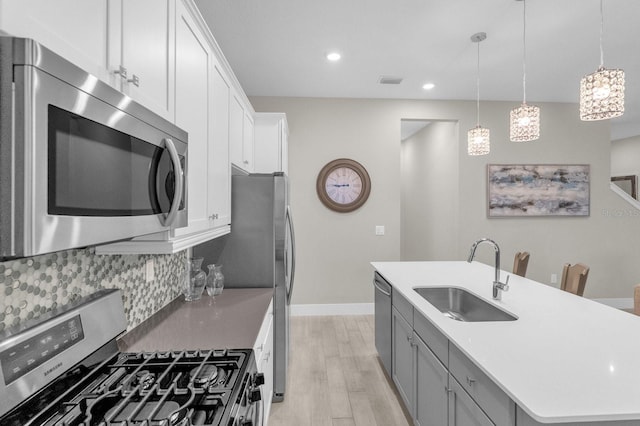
<point x="271" y="148"/>
<point x="219" y="164"/>
<point x="241" y="133"/>
<point x="247" y="141"/>
<point x="162" y="54"/>
<point x="141" y="51"/>
<point x="76" y="30"/>
<point x="202" y="96"/>
<point x="128" y="44"/>
<point x="193" y="109"/>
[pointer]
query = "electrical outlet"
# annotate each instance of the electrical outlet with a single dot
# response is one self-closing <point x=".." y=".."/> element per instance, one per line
<point x="379" y="229"/>
<point x="150" y="271"/>
<point x="554" y="278"/>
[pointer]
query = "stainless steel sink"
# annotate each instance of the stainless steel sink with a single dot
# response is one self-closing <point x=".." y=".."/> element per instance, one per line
<point x="461" y="305"/>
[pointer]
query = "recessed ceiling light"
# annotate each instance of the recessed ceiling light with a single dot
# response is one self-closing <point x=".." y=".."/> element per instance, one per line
<point x="333" y="56"/>
<point x="428" y="86"/>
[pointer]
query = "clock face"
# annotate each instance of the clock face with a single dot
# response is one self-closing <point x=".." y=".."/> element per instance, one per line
<point x="343" y="185"/>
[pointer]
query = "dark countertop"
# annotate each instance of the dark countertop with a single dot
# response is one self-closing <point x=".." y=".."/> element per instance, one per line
<point x="231" y="320"/>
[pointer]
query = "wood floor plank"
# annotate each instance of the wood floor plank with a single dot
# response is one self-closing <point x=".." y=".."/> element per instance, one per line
<point x="335" y="377"/>
<point x="343" y="422"/>
<point x="362" y="410"/>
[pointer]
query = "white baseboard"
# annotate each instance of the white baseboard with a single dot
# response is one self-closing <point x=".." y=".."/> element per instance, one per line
<point x="332" y="309"/>
<point x="620" y="303"/>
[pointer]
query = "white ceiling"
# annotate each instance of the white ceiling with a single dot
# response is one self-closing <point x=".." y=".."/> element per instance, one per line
<point x="278" y="47"/>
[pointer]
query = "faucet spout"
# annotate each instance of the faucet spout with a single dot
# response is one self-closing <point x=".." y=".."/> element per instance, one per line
<point x="497" y="285"/>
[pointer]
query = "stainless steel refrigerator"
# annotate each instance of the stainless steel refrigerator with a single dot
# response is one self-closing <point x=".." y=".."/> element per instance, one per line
<point x="260" y="252"/>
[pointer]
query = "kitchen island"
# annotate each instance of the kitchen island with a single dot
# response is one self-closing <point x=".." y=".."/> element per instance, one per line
<point x="565" y="359"/>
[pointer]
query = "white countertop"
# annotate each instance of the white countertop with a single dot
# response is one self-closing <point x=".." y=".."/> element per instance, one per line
<point x="565" y="359"/>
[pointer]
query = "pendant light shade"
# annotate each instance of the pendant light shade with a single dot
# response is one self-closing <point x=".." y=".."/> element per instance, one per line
<point x="602" y="93"/>
<point x="478" y="141"/>
<point x="524" y="122"/>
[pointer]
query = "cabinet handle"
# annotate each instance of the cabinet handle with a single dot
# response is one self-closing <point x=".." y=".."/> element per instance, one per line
<point x="135" y="80"/>
<point x="121" y="71"/>
<point x="213" y="216"/>
<point x="448" y="390"/>
<point x="470" y="381"/>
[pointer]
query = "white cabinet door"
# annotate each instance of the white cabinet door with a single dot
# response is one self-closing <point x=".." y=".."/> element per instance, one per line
<point x="271" y="143"/>
<point x="75" y="30"/>
<point x="241" y="134"/>
<point x="247" y="141"/>
<point x="219" y="164"/>
<point x="236" y="129"/>
<point x="193" y="59"/>
<point x="263" y="351"/>
<point x="142" y="42"/>
<point x="267" y="369"/>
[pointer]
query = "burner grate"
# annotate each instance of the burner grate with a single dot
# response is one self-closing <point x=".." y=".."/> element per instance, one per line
<point x="151" y="389"/>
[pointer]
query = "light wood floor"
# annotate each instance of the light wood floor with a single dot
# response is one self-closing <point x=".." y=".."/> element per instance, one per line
<point x="335" y="378"/>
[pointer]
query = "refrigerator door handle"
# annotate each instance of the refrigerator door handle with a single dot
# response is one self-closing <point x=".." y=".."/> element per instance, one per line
<point x="292" y="247"/>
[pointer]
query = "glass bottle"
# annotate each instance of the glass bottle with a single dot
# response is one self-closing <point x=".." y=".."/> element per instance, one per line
<point x="196" y="279"/>
<point x="215" y="280"/>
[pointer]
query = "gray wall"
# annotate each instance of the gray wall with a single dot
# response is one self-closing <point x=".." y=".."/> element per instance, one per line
<point x="429" y="205"/>
<point x="625" y="156"/>
<point x="335" y="249"/>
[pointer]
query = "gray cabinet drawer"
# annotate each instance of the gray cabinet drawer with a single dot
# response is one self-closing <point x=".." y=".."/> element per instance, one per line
<point x="436" y="341"/>
<point x="404" y="307"/>
<point x="487" y="394"/>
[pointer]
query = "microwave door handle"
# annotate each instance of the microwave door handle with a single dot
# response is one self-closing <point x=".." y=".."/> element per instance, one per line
<point x="177" y="197"/>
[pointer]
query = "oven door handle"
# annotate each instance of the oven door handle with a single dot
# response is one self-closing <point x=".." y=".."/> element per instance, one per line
<point x="179" y="182"/>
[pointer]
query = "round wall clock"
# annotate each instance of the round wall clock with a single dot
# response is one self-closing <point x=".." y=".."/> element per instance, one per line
<point x="343" y="185"/>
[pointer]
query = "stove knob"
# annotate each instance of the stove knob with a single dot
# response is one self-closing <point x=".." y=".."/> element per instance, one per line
<point x="254" y="395"/>
<point x="258" y="379"/>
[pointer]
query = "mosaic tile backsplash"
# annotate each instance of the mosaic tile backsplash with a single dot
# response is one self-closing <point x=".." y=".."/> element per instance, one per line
<point x="32" y="286"/>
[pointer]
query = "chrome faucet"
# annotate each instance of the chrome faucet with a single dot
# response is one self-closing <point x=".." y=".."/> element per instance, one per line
<point x="498" y="286"/>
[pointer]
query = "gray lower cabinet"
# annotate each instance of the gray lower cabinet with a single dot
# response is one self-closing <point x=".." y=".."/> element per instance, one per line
<point x="463" y="410"/>
<point x="436" y="382"/>
<point x="402" y="359"/>
<point x="440" y="386"/>
<point x="432" y="384"/>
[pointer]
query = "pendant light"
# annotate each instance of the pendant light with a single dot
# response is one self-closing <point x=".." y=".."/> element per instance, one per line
<point x="478" y="138"/>
<point x="602" y="93"/>
<point x="524" y="120"/>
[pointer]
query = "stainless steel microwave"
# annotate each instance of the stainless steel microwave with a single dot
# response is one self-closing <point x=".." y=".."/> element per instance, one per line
<point x="80" y="162"/>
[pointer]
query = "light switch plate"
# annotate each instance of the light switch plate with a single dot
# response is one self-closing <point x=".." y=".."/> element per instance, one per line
<point x="150" y="271"/>
<point x="379" y="229"/>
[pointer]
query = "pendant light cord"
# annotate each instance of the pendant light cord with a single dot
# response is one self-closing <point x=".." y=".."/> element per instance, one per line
<point x="524" y="52"/>
<point x="478" y="88"/>
<point x="601" y="34"/>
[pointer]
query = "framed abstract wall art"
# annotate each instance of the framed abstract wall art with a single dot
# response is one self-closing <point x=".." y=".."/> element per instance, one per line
<point x="526" y="190"/>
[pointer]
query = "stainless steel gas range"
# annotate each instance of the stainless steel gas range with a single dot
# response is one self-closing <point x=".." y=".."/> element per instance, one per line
<point x="65" y="369"/>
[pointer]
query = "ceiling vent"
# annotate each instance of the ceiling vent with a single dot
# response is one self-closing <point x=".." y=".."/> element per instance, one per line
<point x="385" y="79"/>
